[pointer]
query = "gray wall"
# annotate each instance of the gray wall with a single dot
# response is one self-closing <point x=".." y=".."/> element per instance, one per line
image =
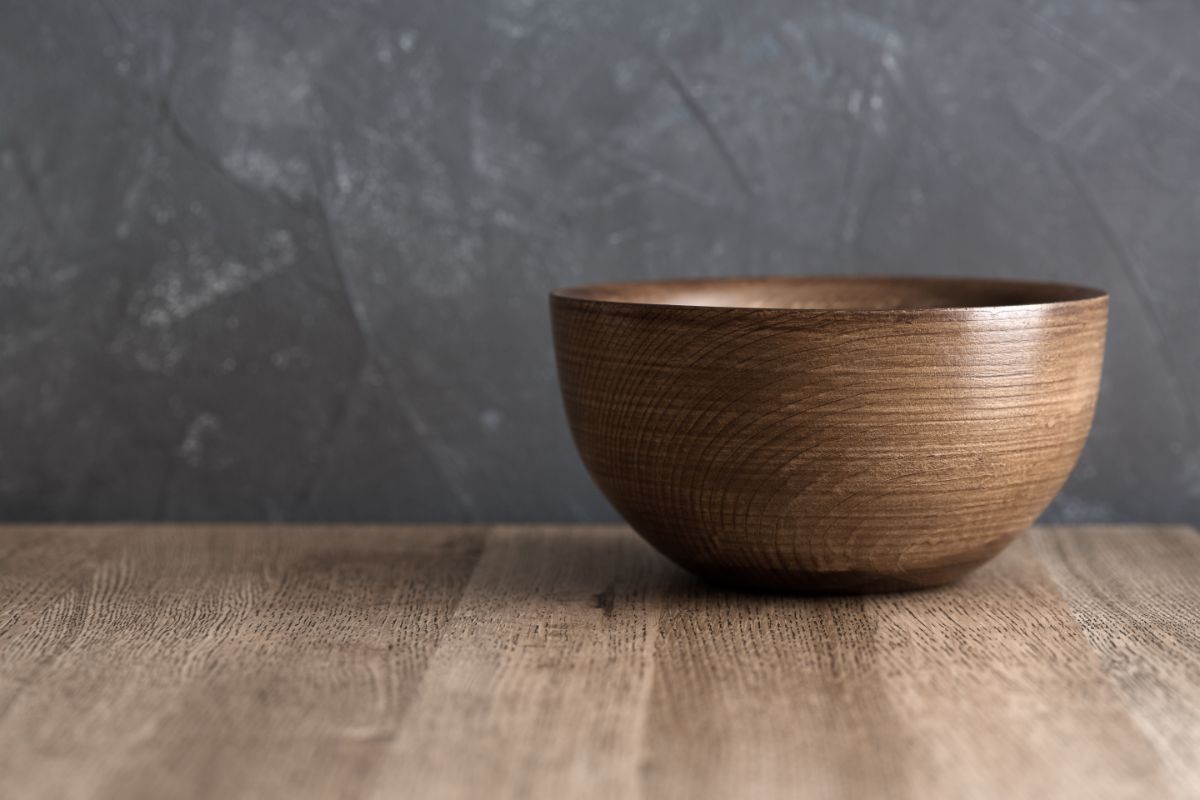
<point x="289" y="258"/>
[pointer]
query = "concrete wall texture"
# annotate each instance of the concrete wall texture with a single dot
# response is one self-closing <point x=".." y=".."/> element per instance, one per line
<point x="288" y="259"/>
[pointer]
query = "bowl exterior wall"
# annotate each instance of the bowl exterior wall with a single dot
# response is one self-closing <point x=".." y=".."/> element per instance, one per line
<point x="829" y="450"/>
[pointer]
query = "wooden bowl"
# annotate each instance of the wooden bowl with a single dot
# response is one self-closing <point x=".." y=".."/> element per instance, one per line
<point x="830" y="434"/>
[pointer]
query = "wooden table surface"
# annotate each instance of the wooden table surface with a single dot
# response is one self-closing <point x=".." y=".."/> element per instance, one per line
<point x="573" y="662"/>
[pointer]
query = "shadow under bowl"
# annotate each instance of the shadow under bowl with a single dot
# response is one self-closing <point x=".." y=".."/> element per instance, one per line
<point x="829" y="434"/>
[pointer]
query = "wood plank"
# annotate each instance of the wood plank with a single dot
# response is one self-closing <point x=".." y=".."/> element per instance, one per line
<point x="986" y="689"/>
<point x="539" y="685"/>
<point x="216" y="661"/>
<point x="1136" y="593"/>
<point x="571" y="661"/>
<point x="983" y="689"/>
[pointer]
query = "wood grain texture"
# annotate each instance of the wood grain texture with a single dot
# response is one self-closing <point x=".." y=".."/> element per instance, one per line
<point x="1135" y="598"/>
<point x="545" y="662"/>
<point x="830" y="434"/>
<point x="543" y="678"/>
<point x="214" y="662"/>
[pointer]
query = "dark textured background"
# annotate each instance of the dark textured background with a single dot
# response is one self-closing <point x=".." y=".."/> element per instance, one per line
<point x="289" y="258"/>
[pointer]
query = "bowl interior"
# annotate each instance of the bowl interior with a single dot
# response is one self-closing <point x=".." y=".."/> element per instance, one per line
<point x="850" y="293"/>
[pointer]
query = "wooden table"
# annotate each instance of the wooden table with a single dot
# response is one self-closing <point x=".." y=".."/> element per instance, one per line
<point x="573" y="662"/>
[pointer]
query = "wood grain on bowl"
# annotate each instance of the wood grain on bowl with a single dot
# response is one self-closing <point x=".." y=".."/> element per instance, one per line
<point x="830" y="434"/>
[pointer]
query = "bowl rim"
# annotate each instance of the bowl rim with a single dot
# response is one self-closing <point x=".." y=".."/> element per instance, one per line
<point x="601" y="294"/>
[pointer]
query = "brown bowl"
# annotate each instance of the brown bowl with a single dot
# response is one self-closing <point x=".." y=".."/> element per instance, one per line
<point x="830" y="434"/>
